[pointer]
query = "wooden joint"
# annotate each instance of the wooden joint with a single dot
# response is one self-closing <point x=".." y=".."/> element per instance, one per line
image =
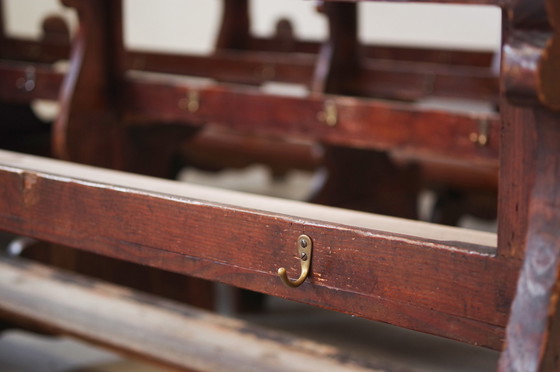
<point x="531" y="57"/>
<point x="549" y="67"/>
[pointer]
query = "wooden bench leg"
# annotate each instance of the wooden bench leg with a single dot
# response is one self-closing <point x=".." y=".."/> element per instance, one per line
<point x="368" y="181"/>
<point x="356" y="179"/>
<point x="90" y="130"/>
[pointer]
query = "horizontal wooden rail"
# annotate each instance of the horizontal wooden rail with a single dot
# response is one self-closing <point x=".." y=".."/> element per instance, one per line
<point x="363" y="123"/>
<point x="24" y="82"/>
<point x="45" y="51"/>
<point x="28" y="50"/>
<point x="161" y="331"/>
<point x="384" y="52"/>
<point x="404" y="80"/>
<point x="435" y="279"/>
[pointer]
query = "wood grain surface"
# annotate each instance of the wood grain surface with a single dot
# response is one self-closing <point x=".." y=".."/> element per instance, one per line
<point x="448" y="282"/>
<point x="160" y="331"/>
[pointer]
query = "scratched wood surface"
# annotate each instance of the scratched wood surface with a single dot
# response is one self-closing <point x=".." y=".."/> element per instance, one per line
<point x="363" y="264"/>
<point x="170" y="334"/>
<point x="414" y="275"/>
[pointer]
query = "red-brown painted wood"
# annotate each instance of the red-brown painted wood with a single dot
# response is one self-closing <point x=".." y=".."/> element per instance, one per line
<point x="46" y="50"/>
<point x="533" y="341"/>
<point x="517" y="167"/>
<point x="362" y="123"/>
<point x="13" y="78"/>
<point x="378" y="78"/>
<point x="471" y="77"/>
<point x="87" y="129"/>
<point x="443" y="287"/>
<point x="532" y="333"/>
<point x="530" y="52"/>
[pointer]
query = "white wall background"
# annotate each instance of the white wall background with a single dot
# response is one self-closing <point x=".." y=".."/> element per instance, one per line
<point x="191" y="25"/>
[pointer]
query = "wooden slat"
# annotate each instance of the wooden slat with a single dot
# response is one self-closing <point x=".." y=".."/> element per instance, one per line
<point x="154" y="329"/>
<point x="410" y="54"/>
<point x="13" y="75"/>
<point x="242" y="67"/>
<point x="362" y="123"/>
<point x="19" y="49"/>
<point x="444" y="281"/>
<point x="379" y="78"/>
<point x="417" y="80"/>
<point x="45" y="51"/>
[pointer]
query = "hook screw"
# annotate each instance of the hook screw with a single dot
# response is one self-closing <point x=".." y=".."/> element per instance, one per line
<point x="304" y="245"/>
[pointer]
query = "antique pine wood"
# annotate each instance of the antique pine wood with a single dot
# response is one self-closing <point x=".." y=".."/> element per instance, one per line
<point x="522" y="81"/>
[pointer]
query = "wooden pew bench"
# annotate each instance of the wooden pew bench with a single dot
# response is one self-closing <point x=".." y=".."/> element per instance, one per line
<point x="480" y="288"/>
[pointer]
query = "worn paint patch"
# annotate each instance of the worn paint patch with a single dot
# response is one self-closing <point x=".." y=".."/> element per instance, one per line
<point x="29" y="195"/>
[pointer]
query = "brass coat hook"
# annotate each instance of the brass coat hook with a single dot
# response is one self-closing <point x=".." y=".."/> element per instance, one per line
<point x="305" y="248"/>
<point x="329" y="115"/>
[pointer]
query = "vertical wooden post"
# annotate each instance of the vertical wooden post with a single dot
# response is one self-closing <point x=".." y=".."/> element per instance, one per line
<point x="235" y="26"/>
<point x="356" y="179"/>
<point x="520" y="55"/>
<point x="87" y="129"/>
<point x="338" y="62"/>
<point x="517" y="161"/>
<point x="533" y="332"/>
<point x="531" y="68"/>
